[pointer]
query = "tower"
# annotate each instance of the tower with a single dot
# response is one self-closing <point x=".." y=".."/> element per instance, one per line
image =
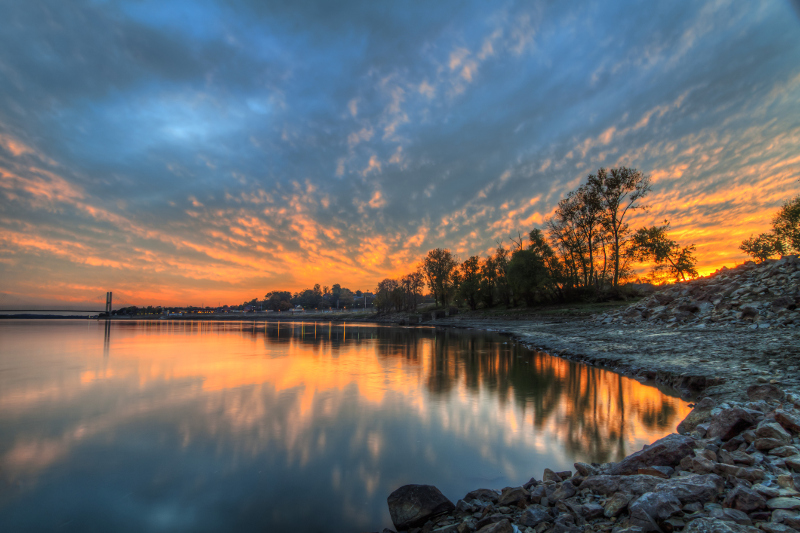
<point x="108" y="303"/>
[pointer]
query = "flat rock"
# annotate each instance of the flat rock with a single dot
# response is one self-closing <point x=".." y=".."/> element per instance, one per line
<point x="772" y="527"/>
<point x="413" y="505"/>
<point x="657" y="471"/>
<point x="667" y="451"/>
<point x="788" y="419"/>
<point x="484" y="495"/>
<point x="784" y="503"/>
<point x="713" y="525"/>
<point x="793" y="462"/>
<point x="608" y="484"/>
<point x="694" y="488"/>
<point x="766" y="392"/>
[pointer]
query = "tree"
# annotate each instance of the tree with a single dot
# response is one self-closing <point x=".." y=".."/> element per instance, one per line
<point x="385" y="295"/>
<point x="619" y="191"/>
<point x="470" y="285"/>
<point x="653" y="245"/>
<point x="438" y="267"/>
<point x="783" y="238"/>
<point x="761" y="247"/>
<point x="488" y="281"/>
<point x="527" y="274"/>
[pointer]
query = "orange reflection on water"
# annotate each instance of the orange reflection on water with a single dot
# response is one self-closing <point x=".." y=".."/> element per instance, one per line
<point x="261" y="387"/>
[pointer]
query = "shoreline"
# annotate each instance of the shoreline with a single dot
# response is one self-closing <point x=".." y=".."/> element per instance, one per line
<point x="734" y="466"/>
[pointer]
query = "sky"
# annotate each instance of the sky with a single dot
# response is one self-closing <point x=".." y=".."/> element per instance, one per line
<point x="204" y="152"/>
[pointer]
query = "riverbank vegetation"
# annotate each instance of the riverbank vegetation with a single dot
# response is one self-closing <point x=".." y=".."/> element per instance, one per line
<point x="585" y="252"/>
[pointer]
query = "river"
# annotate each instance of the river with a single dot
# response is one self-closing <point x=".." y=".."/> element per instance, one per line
<point x="239" y="426"/>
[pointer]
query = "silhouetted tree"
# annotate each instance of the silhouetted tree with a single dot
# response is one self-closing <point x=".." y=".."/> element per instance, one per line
<point x="439" y="267"/>
<point x="653" y="245"/>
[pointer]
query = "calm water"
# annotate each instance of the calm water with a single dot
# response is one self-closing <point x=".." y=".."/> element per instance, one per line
<point x="189" y="426"/>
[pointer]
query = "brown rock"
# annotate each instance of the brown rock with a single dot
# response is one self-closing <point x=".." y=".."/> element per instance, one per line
<point x="788" y="419"/>
<point x="667" y="451"/>
<point x="549" y="475"/>
<point x="784" y="503"/>
<point x="790" y="518"/>
<point x="793" y="462"/>
<point x="744" y="499"/>
<point x="730" y="422"/>
<point x="700" y="414"/>
<point x="774" y="431"/>
<point x="752" y="475"/>
<point x="413" y="505"/>
<point x="768" y="444"/>
<point x="616" y="504"/>
<point x="514" y="496"/>
<point x="566" y="490"/>
<point x="503" y="526"/>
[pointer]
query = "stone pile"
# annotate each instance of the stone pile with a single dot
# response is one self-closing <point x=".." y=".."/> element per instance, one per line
<point x="765" y="295"/>
<point x="733" y="467"/>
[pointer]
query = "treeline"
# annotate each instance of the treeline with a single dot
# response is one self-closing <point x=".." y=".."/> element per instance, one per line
<point x="585" y="251"/>
<point x="319" y="297"/>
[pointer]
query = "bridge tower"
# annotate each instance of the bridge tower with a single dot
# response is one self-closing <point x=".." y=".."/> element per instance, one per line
<point x="108" y="303"/>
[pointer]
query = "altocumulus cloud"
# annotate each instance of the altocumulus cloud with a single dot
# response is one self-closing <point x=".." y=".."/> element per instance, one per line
<point x="190" y="152"/>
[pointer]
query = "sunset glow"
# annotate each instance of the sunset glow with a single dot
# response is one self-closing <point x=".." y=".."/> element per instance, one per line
<point x="197" y="153"/>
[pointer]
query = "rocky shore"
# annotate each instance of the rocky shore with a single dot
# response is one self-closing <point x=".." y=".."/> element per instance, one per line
<point x="733" y="466"/>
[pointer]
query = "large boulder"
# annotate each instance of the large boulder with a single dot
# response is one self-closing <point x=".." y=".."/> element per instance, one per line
<point x="700" y="414"/>
<point x="667" y="451"/>
<point x="413" y="505"/>
<point x="730" y="422"/>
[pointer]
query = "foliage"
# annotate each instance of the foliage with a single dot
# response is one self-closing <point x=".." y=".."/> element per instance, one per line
<point x="651" y="244"/>
<point x="782" y="239"/>
<point x="439" y="267"/>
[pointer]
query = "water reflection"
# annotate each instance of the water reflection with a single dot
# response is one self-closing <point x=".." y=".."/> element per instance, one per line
<point x="194" y="426"/>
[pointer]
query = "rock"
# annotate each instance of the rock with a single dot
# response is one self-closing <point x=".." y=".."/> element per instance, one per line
<point x="549" y="475"/>
<point x="413" y="505"/>
<point x="652" y="508"/>
<point x="586" y="470"/>
<point x="514" y="496"/>
<point x="742" y="458"/>
<point x="635" y="485"/>
<point x="768" y="444"/>
<point x="713" y="525"/>
<point x="767" y="492"/>
<point x="752" y="475"/>
<point x="765" y="392"/>
<point x="730" y="422"/>
<point x="484" y="495"/>
<point x="503" y="526"/>
<point x="565" y="523"/>
<point x="734" y="515"/>
<point x="788" y="419"/>
<point x="591" y="510"/>
<point x="793" y="462"/>
<point x="700" y="414"/>
<point x="538" y="493"/>
<point x="667" y="451"/>
<point x="774" y="431"/>
<point x="784" y="503"/>
<point x="790" y="518"/>
<point x="744" y="499"/>
<point x="564" y="474"/>
<point x="657" y="471"/>
<point x="784" y="451"/>
<point x="694" y="488"/>
<point x="771" y="527"/>
<point x="615" y="504"/>
<point x="566" y="490"/>
<point x="534" y="515"/>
